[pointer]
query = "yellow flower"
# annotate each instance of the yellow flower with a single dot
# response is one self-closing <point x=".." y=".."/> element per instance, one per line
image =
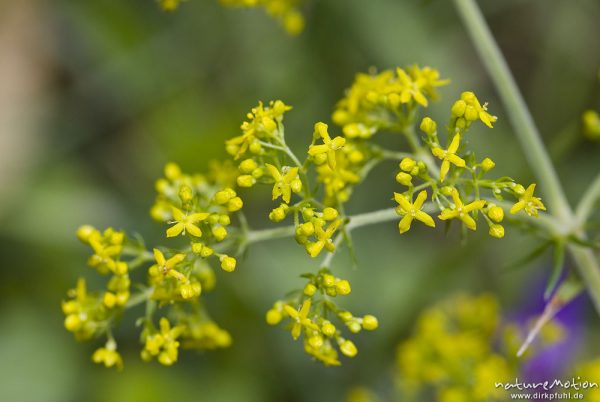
<point x="529" y="203"/>
<point x="461" y="211"/>
<point x="449" y="156"/>
<point x="164" y="266"/>
<point x="469" y="108"/>
<point x="409" y="88"/>
<point x="163" y="344"/>
<point x="108" y="356"/>
<point x="186" y="223"/>
<point x="591" y="124"/>
<point x="325" y="352"/>
<point x="412" y="211"/>
<point x="300" y="318"/>
<point x="323" y="237"/>
<point x="286" y="182"/>
<point x="328" y="147"/>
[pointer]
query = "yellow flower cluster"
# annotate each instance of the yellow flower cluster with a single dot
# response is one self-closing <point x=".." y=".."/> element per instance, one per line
<point x="318" y="228"/>
<point x="450" y="189"/>
<point x="378" y="100"/>
<point x="308" y="315"/>
<point x="339" y="163"/>
<point x="85" y="313"/>
<point x="458" y="349"/>
<point x="108" y="356"/>
<point x="286" y="11"/>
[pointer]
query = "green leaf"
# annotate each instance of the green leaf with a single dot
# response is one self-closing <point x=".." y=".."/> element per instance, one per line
<point x="557" y="270"/>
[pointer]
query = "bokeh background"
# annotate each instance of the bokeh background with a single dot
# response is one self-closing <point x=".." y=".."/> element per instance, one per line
<point x="95" y="96"/>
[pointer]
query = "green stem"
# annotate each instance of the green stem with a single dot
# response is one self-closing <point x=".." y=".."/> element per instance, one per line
<point x="589" y="199"/>
<point x="530" y="139"/>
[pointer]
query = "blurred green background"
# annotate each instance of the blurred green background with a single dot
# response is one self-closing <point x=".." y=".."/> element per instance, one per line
<point x="97" y="95"/>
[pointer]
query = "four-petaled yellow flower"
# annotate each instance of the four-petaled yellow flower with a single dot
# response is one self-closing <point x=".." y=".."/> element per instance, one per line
<point x="449" y="156"/>
<point x="186" y="223"/>
<point x="529" y="203"/>
<point x="286" y="182"/>
<point x="329" y="145"/>
<point x="323" y="237"/>
<point x="301" y="318"/>
<point x="410" y="89"/>
<point x="412" y="211"/>
<point x="461" y="211"/>
<point x="164" y="266"/>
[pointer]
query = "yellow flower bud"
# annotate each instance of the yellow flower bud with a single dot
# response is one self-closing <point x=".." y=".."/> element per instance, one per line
<point x="497" y="231"/>
<point x="404" y="179"/>
<point x="459" y="108"/>
<point x="245" y="180"/>
<point x="428" y="126"/>
<point x="228" y="264"/>
<point x="69" y="307"/>
<point x="407" y="164"/>
<point x="109" y="299"/>
<point x="320" y="159"/>
<point x="223" y="196"/>
<point x="219" y="232"/>
<point x="273" y="317"/>
<point x="84" y="232"/>
<point x="446" y="190"/>
<point x="487" y="164"/>
<point x="296" y="185"/>
<point x="328" y="329"/>
<point x="185" y="194"/>
<point x="310" y="289"/>
<point x="307" y="229"/>
<point x="471" y="113"/>
<point x="496" y="213"/>
<point x="235" y="204"/>
<point x="255" y="148"/>
<point x="247" y="166"/>
<point x="277" y="214"/>
<point x="316" y="341"/>
<point x="206" y="251"/>
<point x="328" y="280"/>
<point x="343" y="287"/>
<point x="224" y="220"/>
<point x="172" y="171"/>
<point x="370" y="322"/>
<point x="348" y="348"/>
<point x="356" y="157"/>
<point x="258" y="173"/>
<point x="330" y="214"/>
<point x="72" y="322"/>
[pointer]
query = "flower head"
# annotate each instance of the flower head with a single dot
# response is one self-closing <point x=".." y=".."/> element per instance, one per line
<point x="163" y="343"/>
<point x="449" y="156"/>
<point x="186" y="223"/>
<point x="461" y="211"/>
<point x="329" y="145"/>
<point x="412" y="211"/>
<point x="300" y="318"/>
<point x="286" y="182"/>
<point x="529" y="203"/>
<point x="108" y="356"/>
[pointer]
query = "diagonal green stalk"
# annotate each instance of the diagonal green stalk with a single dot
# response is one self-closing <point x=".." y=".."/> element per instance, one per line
<point x="529" y="137"/>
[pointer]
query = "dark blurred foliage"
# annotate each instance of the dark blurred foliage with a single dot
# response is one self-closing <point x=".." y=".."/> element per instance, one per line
<point x="97" y="95"/>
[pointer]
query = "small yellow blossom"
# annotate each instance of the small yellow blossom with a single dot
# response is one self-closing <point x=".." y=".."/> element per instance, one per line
<point x="412" y="211"/>
<point x="108" y="356"/>
<point x="300" y="318"/>
<point x="449" y="156"/>
<point x="286" y="182"/>
<point x="461" y="211"/>
<point x="591" y="124"/>
<point x="323" y="237"/>
<point x="163" y="343"/>
<point x="186" y="223"/>
<point x="528" y="202"/>
<point x="329" y="145"/>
